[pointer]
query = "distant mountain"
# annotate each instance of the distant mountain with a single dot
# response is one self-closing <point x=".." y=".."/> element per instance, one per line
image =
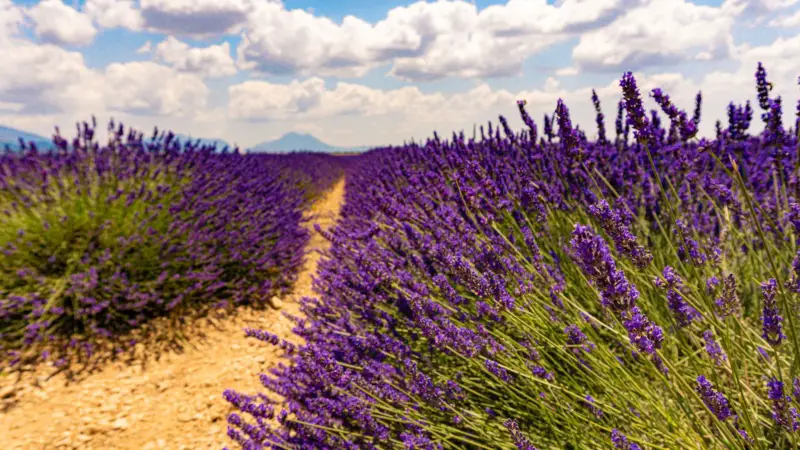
<point x="301" y="142"/>
<point x="10" y="136"/>
<point x="287" y="143"/>
<point x="220" y="143"/>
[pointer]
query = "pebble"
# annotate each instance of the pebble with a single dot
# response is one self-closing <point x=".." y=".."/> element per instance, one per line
<point x="121" y="423"/>
<point x="7" y="392"/>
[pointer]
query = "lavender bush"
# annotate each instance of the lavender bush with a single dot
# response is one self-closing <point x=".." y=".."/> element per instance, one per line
<point x="97" y="240"/>
<point x="521" y="291"/>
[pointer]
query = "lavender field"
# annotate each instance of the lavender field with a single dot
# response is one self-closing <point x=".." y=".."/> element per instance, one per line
<point x="533" y="289"/>
<point x="98" y="239"/>
<point x="524" y="289"/>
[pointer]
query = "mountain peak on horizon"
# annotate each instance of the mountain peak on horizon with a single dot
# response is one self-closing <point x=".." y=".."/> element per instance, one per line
<point x="288" y="142"/>
<point x="298" y="141"/>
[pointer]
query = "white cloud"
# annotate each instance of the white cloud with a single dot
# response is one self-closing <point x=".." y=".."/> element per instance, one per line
<point x="260" y="100"/>
<point x="395" y="115"/>
<point x="195" y="17"/>
<point x="212" y="61"/>
<point x="663" y="32"/>
<point x="421" y="41"/>
<point x="567" y="71"/>
<point x="311" y="100"/>
<point x="57" y="23"/>
<point x="115" y="14"/>
<point x="175" y="17"/>
<point x="428" y="41"/>
<point x="42" y="77"/>
<point x="11" y="19"/>
<point x="755" y="10"/>
<point x="146" y="48"/>
<point x="153" y="89"/>
<point x="787" y="21"/>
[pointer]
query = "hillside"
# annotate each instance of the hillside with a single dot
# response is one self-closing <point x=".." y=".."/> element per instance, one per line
<point x="10" y="136"/>
<point x="301" y="142"/>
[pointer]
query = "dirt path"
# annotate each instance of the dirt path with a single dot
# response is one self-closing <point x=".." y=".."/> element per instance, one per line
<point x="173" y="403"/>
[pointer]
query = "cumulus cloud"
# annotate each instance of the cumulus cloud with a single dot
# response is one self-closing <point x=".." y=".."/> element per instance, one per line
<point x="755" y="10"/>
<point x="402" y="113"/>
<point x="11" y="19"/>
<point x="422" y="41"/>
<point x="664" y="32"/>
<point x="150" y="88"/>
<point x="57" y="23"/>
<point x="43" y="78"/>
<point x="39" y="78"/>
<point x="310" y="99"/>
<point x="786" y="21"/>
<point x="429" y="41"/>
<point x="115" y="14"/>
<point x="198" y="18"/>
<point x="195" y="17"/>
<point x="211" y="61"/>
<point x="146" y="48"/>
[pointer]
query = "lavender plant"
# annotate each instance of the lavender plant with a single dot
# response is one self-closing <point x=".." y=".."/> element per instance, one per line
<point x="97" y="240"/>
<point x="505" y="292"/>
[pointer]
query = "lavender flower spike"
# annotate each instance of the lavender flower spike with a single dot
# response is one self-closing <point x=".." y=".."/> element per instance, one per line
<point x="713" y="348"/>
<point x="624" y="240"/>
<point x="592" y="255"/>
<point x="784" y="416"/>
<point x="714" y="401"/>
<point x="684" y="313"/>
<point x="520" y="441"/>
<point x="620" y="441"/>
<point x="771" y="319"/>
<point x="633" y="105"/>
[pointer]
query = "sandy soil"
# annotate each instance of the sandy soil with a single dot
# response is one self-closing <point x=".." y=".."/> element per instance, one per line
<point x="174" y="402"/>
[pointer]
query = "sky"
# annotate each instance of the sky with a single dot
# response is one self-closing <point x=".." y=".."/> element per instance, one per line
<point x="378" y="72"/>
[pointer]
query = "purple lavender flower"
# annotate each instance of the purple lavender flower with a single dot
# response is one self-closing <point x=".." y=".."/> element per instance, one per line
<point x="569" y="136"/>
<point x="643" y="333"/>
<point x="624" y="240"/>
<point x="541" y="372"/>
<point x="599" y="118"/>
<point x="591" y="254"/>
<point x="621" y="442"/>
<point x="497" y="370"/>
<point x="728" y="302"/>
<point x="698" y="103"/>
<point x="771" y="329"/>
<point x="762" y="87"/>
<point x="620" y="117"/>
<point x="714" y="401"/>
<point x="686" y="127"/>
<point x="527" y="119"/>
<point x="782" y="414"/>
<point x="713" y="348"/>
<point x="684" y="313"/>
<point x="520" y="440"/>
<point x="796" y="389"/>
<point x="633" y="105"/>
<point x="578" y="340"/>
<point x="589" y="402"/>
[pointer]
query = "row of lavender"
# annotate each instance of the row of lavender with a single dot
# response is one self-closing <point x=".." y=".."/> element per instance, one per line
<point x="97" y="240"/>
<point x="524" y="291"/>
